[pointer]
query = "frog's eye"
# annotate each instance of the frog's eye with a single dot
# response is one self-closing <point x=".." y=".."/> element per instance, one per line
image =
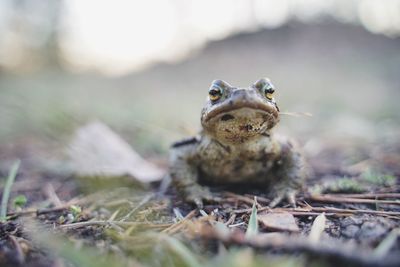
<point x="215" y="93"/>
<point x="266" y="88"/>
<point x="269" y="91"/>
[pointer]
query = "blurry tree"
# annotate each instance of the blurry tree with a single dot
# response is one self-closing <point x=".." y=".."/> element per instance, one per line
<point x="30" y="34"/>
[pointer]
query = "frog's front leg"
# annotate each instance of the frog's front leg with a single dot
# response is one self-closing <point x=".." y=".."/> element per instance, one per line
<point x="289" y="173"/>
<point x="184" y="173"/>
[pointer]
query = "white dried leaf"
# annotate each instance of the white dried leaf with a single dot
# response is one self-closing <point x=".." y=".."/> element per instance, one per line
<point x="98" y="151"/>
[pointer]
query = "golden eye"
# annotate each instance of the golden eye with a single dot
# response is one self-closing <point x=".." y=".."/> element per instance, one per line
<point x="269" y="92"/>
<point x="215" y="93"/>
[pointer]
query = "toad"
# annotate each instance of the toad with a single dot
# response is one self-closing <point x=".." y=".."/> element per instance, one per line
<point x="236" y="146"/>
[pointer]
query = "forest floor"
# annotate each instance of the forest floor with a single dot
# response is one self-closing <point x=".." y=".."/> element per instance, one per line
<point x="347" y="215"/>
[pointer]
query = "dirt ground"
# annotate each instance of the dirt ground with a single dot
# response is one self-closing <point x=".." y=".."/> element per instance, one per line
<point x="118" y="221"/>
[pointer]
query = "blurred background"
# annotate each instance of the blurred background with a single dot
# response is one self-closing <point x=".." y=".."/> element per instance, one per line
<point x="144" y="67"/>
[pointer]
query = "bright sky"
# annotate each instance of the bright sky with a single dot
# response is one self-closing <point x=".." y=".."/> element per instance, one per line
<point x="123" y="35"/>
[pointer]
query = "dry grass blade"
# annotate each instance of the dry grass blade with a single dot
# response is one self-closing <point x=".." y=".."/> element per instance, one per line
<point x="182" y="251"/>
<point x="114" y="215"/>
<point x="7" y="189"/>
<point x="385" y="246"/>
<point x="252" y="228"/>
<point x="317" y="228"/>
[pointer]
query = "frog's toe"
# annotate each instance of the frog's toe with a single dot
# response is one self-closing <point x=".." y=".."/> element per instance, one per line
<point x="198" y="202"/>
<point x="212" y="199"/>
<point x="290" y="196"/>
<point x="199" y="195"/>
<point x="195" y="199"/>
<point x="275" y="201"/>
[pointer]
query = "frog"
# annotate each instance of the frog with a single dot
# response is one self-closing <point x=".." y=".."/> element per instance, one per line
<point x="237" y="146"/>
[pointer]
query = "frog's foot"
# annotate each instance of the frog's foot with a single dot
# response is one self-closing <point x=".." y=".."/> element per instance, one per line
<point x="279" y="195"/>
<point x="197" y="194"/>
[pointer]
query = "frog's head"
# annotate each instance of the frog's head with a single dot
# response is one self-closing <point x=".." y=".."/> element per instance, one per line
<point x="235" y="115"/>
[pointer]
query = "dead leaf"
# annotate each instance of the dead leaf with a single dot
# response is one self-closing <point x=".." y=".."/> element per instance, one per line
<point x="279" y="221"/>
<point x="98" y="151"/>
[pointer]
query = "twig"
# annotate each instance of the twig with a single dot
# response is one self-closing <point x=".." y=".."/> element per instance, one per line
<point x="230" y="220"/>
<point x="109" y="223"/>
<point x="52" y="195"/>
<point x="370" y="195"/>
<point x="315" y="211"/>
<point x="308" y="213"/>
<point x="336" y="210"/>
<point x="237" y="224"/>
<point x="333" y="199"/>
<point x="249" y="210"/>
<point x="260" y="199"/>
<point x="44" y="211"/>
<point x="244" y="199"/>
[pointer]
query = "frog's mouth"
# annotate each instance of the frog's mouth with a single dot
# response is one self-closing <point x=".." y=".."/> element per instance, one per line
<point x="237" y="125"/>
<point x="227" y="112"/>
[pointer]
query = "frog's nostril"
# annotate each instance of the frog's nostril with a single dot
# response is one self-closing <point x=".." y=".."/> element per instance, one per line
<point x="227" y="117"/>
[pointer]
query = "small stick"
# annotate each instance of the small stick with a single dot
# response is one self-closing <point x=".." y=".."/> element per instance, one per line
<point x="336" y="211"/>
<point x="371" y="195"/>
<point x="377" y="212"/>
<point x="250" y="209"/>
<point x="260" y="199"/>
<point x="109" y="223"/>
<point x="244" y="199"/>
<point x="52" y="195"/>
<point x="44" y="211"/>
<point x="230" y="220"/>
<point x="237" y="224"/>
<point x="332" y="199"/>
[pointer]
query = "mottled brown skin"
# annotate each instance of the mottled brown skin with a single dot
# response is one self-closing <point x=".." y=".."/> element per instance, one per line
<point x="236" y="146"/>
